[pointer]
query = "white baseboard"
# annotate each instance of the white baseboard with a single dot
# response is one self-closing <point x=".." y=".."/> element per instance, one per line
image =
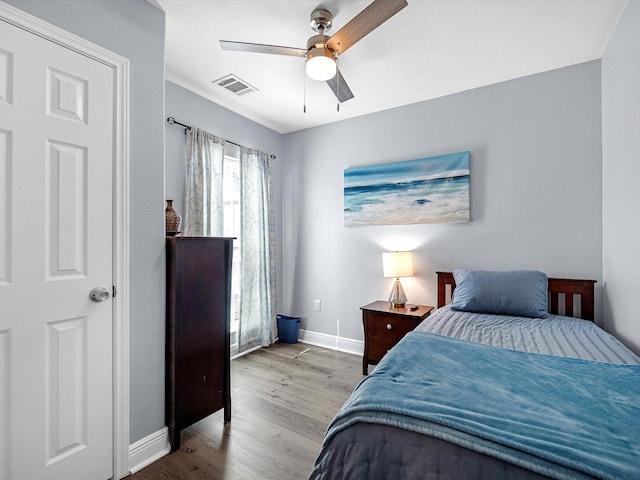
<point x="149" y="449"/>
<point x="347" y="345"/>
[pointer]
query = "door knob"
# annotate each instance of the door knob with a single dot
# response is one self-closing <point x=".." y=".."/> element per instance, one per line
<point x="99" y="294"/>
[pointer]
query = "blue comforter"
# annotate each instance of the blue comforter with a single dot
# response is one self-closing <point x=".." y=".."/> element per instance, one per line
<point x="560" y="417"/>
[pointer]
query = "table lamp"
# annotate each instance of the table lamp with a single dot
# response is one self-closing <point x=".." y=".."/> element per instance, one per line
<point x="397" y="264"/>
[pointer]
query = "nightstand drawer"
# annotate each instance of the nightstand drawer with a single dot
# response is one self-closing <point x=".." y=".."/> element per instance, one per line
<point x="389" y="326"/>
<point x="378" y="348"/>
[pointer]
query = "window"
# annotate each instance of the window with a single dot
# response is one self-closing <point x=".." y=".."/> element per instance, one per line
<point x="231" y="228"/>
<point x="217" y="173"/>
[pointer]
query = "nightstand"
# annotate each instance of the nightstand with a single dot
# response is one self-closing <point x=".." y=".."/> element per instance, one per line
<point x="384" y="326"/>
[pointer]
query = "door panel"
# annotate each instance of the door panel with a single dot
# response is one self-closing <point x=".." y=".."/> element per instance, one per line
<point x="66" y="395"/>
<point x="66" y="216"/>
<point x="67" y="96"/>
<point x="6" y="75"/>
<point x="56" y="167"/>
<point x="5" y="199"/>
<point x="5" y="430"/>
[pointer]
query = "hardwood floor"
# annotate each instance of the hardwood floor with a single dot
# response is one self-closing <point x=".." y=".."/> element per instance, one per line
<point x="283" y="397"/>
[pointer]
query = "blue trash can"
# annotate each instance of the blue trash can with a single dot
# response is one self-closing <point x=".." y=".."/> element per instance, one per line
<point x="288" y="328"/>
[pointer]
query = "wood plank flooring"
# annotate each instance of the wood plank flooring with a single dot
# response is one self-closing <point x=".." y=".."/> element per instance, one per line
<point x="283" y="397"/>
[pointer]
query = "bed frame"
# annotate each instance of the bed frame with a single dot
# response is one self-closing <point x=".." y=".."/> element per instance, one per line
<point x="558" y="287"/>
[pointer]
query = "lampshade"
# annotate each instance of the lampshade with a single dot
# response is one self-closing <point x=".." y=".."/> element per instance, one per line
<point x="321" y="64"/>
<point x="397" y="264"/>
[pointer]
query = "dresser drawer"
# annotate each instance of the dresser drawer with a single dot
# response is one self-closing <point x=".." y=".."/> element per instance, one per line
<point x="389" y="326"/>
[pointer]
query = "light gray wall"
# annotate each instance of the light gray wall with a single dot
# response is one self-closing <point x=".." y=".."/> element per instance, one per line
<point x="536" y="203"/>
<point x="620" y="174"/>
<point x="192" y="109"/>
<point x="134" y="30"/>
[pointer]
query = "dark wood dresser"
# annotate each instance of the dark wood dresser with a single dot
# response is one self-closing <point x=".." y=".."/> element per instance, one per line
<point x="197" y="347"/>
<point x="384" y="326"/>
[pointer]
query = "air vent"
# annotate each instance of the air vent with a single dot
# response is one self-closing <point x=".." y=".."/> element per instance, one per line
<point x="235" y="85"/>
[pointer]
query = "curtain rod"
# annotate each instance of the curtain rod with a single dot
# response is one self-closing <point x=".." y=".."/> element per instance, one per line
<point x="173" y="121"/>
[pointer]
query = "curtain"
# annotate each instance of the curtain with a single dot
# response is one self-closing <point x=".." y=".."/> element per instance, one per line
<point x="257" y="249"/>
<point x="203" y="192"/>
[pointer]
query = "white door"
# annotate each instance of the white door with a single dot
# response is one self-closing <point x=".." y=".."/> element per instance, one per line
<point x="56" y="162"/>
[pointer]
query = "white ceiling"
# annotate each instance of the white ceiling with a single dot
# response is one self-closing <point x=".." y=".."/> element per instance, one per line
<point x="429" y="49"/>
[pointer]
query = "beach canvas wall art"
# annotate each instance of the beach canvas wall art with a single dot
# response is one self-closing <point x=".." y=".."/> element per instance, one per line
<point x="425" y="190"/>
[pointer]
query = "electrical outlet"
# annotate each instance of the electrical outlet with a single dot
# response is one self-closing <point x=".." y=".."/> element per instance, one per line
<point x="316" y="305"/>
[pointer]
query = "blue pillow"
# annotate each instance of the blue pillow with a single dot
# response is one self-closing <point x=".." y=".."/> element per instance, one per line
<point x="521" y="293"/>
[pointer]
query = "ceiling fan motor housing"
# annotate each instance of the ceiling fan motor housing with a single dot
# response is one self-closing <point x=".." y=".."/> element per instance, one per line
<point x="317" y="47"/>
<point x="321" y="20"/>
<point x="320" y="52"/>
<point x="318" y="42"/>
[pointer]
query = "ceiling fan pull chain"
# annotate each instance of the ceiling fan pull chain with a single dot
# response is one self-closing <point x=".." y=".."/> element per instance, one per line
<point x="304" y="93"/>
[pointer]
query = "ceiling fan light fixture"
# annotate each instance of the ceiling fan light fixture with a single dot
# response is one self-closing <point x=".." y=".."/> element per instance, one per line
<point x="321" y="64"/>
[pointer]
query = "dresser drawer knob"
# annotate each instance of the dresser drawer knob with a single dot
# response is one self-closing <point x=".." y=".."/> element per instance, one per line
<point x="388" y="326"/>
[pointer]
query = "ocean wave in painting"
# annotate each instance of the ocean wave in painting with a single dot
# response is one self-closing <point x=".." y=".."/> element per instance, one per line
<point x="413" y="193"/>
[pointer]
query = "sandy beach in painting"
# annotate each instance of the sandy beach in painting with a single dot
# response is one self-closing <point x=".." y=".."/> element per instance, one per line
<point x="428" y="190"/>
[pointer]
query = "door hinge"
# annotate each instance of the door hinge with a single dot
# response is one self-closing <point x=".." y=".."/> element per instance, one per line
<point x="113" y="291"/>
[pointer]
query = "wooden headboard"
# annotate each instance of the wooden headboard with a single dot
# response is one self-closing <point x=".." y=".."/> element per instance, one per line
<point x="558" y="287"/>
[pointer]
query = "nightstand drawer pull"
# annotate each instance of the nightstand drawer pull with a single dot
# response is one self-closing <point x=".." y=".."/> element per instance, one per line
<point x="388" y="326"/>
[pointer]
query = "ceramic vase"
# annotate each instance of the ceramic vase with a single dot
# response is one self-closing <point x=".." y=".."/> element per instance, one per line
<point x="171" y="219"/>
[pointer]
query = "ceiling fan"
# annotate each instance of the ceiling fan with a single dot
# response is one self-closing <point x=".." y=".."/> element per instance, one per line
<point x="322" y="51"/>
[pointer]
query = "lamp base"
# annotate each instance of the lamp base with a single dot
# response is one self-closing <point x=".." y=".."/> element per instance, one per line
<point x="397" y="297"/>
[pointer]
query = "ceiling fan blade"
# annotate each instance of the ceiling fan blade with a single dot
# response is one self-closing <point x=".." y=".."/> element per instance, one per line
<point x="340" y="88"/>
<point x="367" y="20"/>
<point x="262" y="48"/>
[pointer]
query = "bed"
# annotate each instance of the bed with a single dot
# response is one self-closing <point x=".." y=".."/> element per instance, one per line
<point x="500" y="382"/>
